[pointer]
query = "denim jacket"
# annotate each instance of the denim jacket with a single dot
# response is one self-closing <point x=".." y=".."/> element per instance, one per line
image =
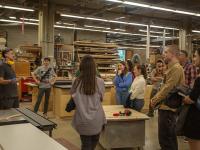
<point x="123" y="83"/>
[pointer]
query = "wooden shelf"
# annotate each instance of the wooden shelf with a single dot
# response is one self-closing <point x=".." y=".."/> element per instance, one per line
<point x="104" y="54"/>
<point x="106" y="68"/>
<point x="101" y="56"/>
<point x="94" y="44"/>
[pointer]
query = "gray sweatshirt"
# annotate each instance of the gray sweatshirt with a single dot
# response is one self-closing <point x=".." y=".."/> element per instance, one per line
<point x="89" y="116"/>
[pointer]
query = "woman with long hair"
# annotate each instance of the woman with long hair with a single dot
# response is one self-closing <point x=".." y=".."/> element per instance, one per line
<point x="138" y="88"/>
<point x="122" y="82"/>
<point x="192" y="124"/>
<point x="87" y="92"/>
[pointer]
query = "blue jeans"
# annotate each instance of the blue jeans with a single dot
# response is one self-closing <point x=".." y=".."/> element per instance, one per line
<point x="121" y="97"/>
<point x="41" y="93"/>
<point x="137" y="104"/>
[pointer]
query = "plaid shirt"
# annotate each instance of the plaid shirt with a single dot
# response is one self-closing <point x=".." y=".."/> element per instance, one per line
<point x="190" y="74"/>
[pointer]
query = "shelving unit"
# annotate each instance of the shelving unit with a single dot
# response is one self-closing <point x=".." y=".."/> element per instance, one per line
<point x="105" y="55"/>
<point x="29" y="54"/>
<point x="63" y="56"/>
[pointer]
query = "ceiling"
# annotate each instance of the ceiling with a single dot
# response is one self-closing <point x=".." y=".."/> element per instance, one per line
<point x="116" y="11"/>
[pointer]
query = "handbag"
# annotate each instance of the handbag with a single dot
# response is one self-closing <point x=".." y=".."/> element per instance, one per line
<point x="70" y="105"/>
<point x="180" y="121"/>
<point x="128" y="101"/>
<point x="174" y="98"/>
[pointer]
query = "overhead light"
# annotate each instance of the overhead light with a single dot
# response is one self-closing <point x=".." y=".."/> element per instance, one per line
<point x="97" y="19"/>
<point x="11" y="21"/>
<point x="27" y="19"/>
<point x="16" y="8"/>
<point x="119" y="18"/>
<point x="195" y="31"/>
<point x="115" y="21"/>
<point x="153" y="32"/>
<point x="103" y="20"/>
<point x="98" y="27"/>
<point x="69" y="24"/>
<point x="155" y="7"/>
<point x="119" y="30"/>
<point x="12" y="17"/>
<point x="58" y="22"/>
<point x="162" y="27"/>
<point x="15" y="21"/>
<point x="72" y="16"/>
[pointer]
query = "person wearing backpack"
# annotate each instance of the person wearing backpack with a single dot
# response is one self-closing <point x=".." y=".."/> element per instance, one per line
<point x="44" y="76"/>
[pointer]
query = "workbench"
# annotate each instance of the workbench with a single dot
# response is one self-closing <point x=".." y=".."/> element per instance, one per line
<point x="123" y="131"/>
<point x="62" y="96"/>
<point x="26" y="137"/>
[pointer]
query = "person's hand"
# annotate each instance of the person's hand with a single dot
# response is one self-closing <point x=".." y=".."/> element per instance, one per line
<point x="187" y="100"/>
<point x="13" y="81"/>
<point x="153" y="103"/>
<point x="119" y="72"/>
<point x="37" y="82"/>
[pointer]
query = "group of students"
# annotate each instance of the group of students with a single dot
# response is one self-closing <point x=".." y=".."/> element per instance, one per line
<point x="130" y="85"/>
<point x="88" y="92"/>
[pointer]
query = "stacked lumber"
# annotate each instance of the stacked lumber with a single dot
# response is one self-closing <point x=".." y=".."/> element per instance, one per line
<point x="105" y="55"/>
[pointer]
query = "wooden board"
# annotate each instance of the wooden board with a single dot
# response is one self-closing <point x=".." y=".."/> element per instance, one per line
<point x="96" y="51"/>
<point x="94" y="44"/>
<point x="101" y="56"/>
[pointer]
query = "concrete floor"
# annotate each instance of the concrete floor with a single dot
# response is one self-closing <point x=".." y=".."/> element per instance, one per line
<point x="65" y="130"/>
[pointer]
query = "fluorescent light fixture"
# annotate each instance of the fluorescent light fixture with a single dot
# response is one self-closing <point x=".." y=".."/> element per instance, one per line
<point x="58" y="22"/>
<point x="97" y="27"/>
<point x="69" y="24"/>
<point x="103" y="20"/>
<point x="97" y="19"/>
<point x="153" y="32"/>
<point x="15" y="21"/>
<point x="27" y="19"/>
<point x="16" y="8"/>
<point x="195" y="31"/>
<point x="115" y="21"/>
<point x="119" y="18"/>
<point x="72" y="16"/>
<point x="162" y="27"/>
<point x="12" y="17"/>
<point x="155" y="7"/>
<point x="120" y="30"/>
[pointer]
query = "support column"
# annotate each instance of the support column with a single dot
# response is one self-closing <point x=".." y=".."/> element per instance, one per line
<point x="164" y="34"/>
<point x="185" y="39"/>
<point x="182" y="39"/>
<point x="148" y="42"/>
<point x="46" y="28"/>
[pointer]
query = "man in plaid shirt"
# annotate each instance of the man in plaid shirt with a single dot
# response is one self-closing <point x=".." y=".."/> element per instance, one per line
<point x="189" y="69"/>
